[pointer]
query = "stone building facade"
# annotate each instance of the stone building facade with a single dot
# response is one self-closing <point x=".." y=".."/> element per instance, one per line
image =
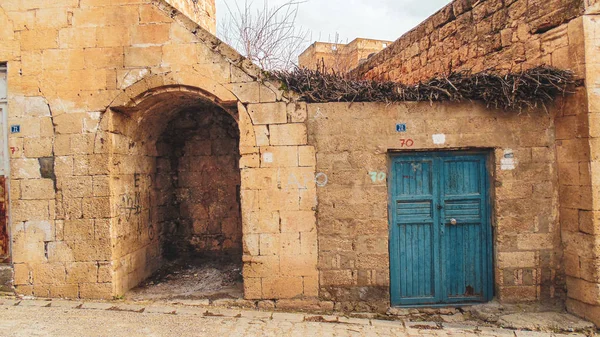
<point x="339" y="56"/>
<point x="135" y="134"/>
<point x="512" y="36"/>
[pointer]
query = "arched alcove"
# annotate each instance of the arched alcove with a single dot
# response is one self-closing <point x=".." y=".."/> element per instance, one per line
<point x="177" y="229"/>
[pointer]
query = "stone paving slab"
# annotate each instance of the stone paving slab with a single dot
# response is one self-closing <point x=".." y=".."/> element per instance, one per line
<point x="263" y="323"/>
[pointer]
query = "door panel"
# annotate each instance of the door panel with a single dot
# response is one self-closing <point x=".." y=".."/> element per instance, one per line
<point x="440" y="250"/>
<point x="413" y="232"/>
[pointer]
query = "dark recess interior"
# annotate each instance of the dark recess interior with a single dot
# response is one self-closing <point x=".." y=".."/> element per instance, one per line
<point x="198" y="189"/>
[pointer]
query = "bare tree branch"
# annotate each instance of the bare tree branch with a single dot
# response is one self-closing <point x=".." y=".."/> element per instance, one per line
<point x="269" y="37"/>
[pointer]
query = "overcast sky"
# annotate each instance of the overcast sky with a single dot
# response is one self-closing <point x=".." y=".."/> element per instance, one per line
<point x="375" y="19"/>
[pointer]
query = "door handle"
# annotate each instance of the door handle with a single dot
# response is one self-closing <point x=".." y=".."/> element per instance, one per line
<point x="453" y="222"/>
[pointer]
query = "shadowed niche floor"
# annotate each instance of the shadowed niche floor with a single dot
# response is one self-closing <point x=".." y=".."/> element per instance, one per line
<point x="192" y="279"/>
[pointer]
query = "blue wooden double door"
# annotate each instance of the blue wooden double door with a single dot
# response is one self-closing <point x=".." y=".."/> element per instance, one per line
<point x="440" y="232"/>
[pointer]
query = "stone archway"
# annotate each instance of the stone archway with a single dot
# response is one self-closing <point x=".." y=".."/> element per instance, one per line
<point x="175" y="185"/>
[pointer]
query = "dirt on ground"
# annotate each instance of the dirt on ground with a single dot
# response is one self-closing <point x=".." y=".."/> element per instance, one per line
<point x="192" y="279"/>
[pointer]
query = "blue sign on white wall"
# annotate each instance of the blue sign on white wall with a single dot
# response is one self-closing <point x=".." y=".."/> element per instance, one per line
<point x="15" y="129"/>
<point x="401" y="127"/>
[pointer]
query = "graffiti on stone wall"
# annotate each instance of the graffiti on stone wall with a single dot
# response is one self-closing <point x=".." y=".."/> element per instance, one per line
<point x="131" y="207"/>
<point x="320" y="179"/>
<point x="378" y="177"/>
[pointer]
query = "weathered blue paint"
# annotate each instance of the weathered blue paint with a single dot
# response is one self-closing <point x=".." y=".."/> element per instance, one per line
<point x="432" y="260"/>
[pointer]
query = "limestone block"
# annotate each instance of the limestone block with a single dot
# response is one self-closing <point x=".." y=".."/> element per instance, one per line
<point x="336" y="278"/>
<point x="96" y="207"/>
<point x="252" y="288"/>
<point x="260" y="266"/>
<point x="44" y="228"/>
<point x="98" y="164"/>
<point x="143" y="56"/>
<point x="579" y="243"/>
<point x="279" y="156"/>
<point x="297" y="111"/>
<point x="96" y="290"/>
<point x="269" y="92"/>
<point x="30" y="127"/>
<point x="516" y="260"/>
<point x="284" y="200"/>
<point x="258" y="178"/>
<point x="62" y="59"/>
<point x="24" y="210"/>
<point x="37" y="147"/>
<point x="67" y="291"/>
<point x="41" y="290"/>
<point x="76" y="187"/>
<point x="268" y="113"/>
<point x="22" y="274"/>
<point x="298" y="221"/>
<point x="248" y="92"/>
<point x="81" y="165"/>
<point x="40" y="189"/>
<point x="79" y="229"/>
<point x="581" y="290"/>
<point x="151" y="14"/>
<point x="517" y="294"/>
<point x="307" y="156"/>
<point x="59" y="252"/>
<point x="101" y="187"/>
<point x="269" y="244"/>
<point x="250" y="161"/>
<point x="51" y="18"/>
<point x="15" y="146"/>
<point x="38" y="39"/>
<point x="288" y="134"/>
<point x="299" y="265"/>
<point x="48" y="273"/>
<point x="281" y="287"/>
<point x="179" y="54"/>
<point x="81" y="272"/>
<point x="36" y="106"/>
<point x="308" y="197"/>
<point x="153" y="34"/>
<point x="290" y="244"/>
<point x="85" y="251"/>
<point x="260" y="222"/>
<point x="77" y="37"/>
<point x="104" y="272"/>
<point x="108" y="57"/>
<point x="309" y="243"/>
<point x="251" y="244"/>
<point x="28" y="247"/>
<point x="297" y="178"/>
<point x="71" y="123"/>
<point x="311" y="286"/>
<point x="112" y="36"/>
<point x="261" y="133"/>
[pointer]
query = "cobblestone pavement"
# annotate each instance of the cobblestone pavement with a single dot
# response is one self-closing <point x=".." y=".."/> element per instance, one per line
<point x="71" y="318"/>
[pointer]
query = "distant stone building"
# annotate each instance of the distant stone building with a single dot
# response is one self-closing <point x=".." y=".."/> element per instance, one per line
<point x="340" y="57"/>
<point x="132" y="135"/>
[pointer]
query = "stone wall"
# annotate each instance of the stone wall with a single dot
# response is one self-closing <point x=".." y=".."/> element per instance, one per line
<point x="580" y="180"/>
<point x="198" y="185"/>
<point x="511" y="36"/>
<point x="93" y="86"/>
<point x="477" y="35"/>
<point x="203" y="12"/>
<point x="353" y="143"/>
<point x="338" y="56"/>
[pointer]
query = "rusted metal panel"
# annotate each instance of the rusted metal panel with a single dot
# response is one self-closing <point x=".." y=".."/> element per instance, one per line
<point x="4" y="246"/>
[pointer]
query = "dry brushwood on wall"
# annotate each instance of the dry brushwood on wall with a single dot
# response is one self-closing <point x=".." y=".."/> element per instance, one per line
<point x="528" y="89"/>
